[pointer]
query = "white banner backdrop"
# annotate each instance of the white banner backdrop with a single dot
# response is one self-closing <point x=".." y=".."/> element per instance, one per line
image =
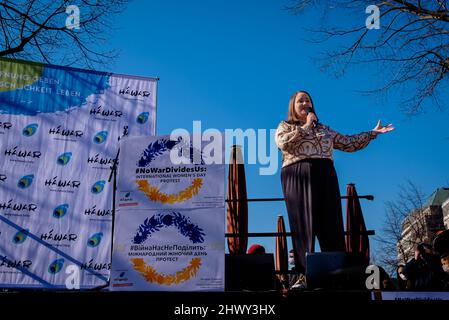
<point x="169" y="226"/>
<point x="59" y="136"/>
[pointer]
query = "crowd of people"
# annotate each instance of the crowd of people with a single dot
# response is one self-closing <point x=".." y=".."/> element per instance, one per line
<point x="426" y="271"/>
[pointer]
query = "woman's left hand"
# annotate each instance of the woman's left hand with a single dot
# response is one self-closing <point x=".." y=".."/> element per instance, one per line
<point x="382" y="129"/>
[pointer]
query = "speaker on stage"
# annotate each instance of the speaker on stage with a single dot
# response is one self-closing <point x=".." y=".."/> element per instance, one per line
<point x="249" y="272"/>
<point x="335" y="270"/>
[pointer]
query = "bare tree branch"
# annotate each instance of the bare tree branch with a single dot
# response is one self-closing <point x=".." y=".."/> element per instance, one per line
<point x="404" y="227"/>
<point x="413" y="36"/>
<point x="36" y="30"/>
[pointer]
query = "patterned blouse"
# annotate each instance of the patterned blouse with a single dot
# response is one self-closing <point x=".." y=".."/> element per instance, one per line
<point x="297" y="143"/>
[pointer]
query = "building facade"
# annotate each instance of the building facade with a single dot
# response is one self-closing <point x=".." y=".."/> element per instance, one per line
<point x="445" y="208"/>
<point x="423" y="224"/>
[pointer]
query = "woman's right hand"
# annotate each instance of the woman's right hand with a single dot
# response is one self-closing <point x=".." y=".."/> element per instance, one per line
<point x="311" y="119"/>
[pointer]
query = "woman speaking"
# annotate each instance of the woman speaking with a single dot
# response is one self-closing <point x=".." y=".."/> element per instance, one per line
<point x="308" y="176"/>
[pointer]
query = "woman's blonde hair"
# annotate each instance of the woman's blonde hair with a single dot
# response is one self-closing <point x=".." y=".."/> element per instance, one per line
<point x="292" y="115"/>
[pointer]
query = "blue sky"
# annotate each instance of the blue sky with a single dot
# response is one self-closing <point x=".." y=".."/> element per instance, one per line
<point x="234" y="64"/>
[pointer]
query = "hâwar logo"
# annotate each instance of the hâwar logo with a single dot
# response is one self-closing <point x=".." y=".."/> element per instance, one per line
<point x="100" y="137"/>
<point x="65" y="132"/>
<point x="20" y="236"/>
<point x="15" y="152"/>
<point x="102" y="112"/>
<point x="5" y="125"/>
<point x="25" y="181"/>
<point x="186" y="228"/>
<point x="164" y="147"/>
<point x="56" y="266"/>
<point x="98" y="187"/>
<point x="64" y="158"/>
<point x="95" y="240"/>
<point x="142" y="118"/>
<point x="30" y="129"/>
<point x="134" y="92"/>
<point x="100" y="162"/>
<point x="60" y="211"/>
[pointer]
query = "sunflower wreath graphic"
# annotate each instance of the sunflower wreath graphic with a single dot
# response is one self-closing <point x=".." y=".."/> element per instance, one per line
<point x="154" y="194"/>
<point x="186" y="228"/>
<point x="156" y="149"/>
<point x="151" y="275"/>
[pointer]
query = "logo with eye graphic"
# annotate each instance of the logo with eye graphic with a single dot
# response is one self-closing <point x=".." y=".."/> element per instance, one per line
<point x="95" y="240"/>
<point x="184" y="227"/>
<point x="98" y="187"/>
<point x="100" y="137"/>
<point x="20" y="236"/>
<point x="56" y="266"/>
<point x="142" y="118"/>
<point x="30" y="130"/>
<point x="158" y="148"/>
<point x="25" y="181"/>
<point x="64" y="158"/>
<point x="60" y="211"/>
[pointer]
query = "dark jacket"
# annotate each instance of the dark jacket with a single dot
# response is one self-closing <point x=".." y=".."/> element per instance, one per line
<point x="425" y="273"/>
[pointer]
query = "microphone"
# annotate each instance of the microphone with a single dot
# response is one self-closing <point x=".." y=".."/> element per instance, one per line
<point x="309" y="110"/>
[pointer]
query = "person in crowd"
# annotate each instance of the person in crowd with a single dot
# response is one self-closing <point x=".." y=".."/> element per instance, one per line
<point x="386" y="283"/>
<point x="445" y="267"/>
<point x="256" y="249"/>
<point x="294" y="276"/>
<point x="401" y="278"/>
<point x="424" y="270"/>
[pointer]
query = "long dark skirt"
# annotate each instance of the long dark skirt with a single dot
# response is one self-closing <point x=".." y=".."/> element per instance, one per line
<point x="313" y="204"/>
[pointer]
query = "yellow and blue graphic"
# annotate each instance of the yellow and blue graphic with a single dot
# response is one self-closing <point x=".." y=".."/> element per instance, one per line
<point x="60" y="211"/>
<point x="30" y="129"/>
<point x="95" y="240"/>
<point x="64" y="158"/>
<point x="20" y="236"/>
<point x="98" y="187"/>
<point x="143" y="117"/>
<point x="56" y="266"/>
<point x="153" y="193"/>
<point x="25" y="181"/>
<point x="28" y="88"/>
<point x="186" y="228"/>
<point x="100" y="137"/>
